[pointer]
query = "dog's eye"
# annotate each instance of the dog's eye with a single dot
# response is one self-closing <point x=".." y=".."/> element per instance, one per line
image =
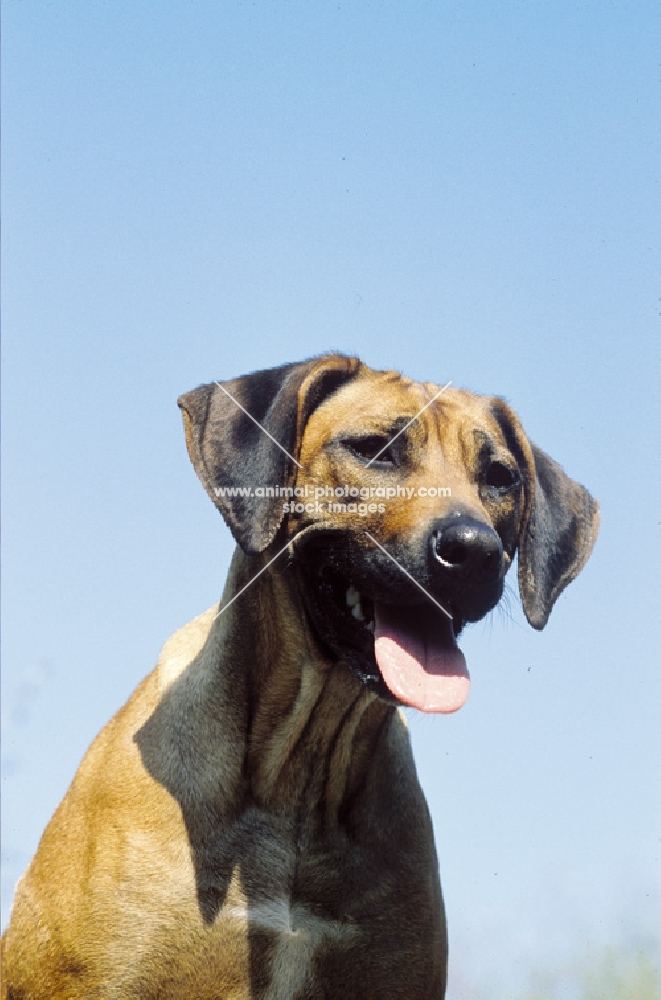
<point x="501" y="478"/>
<point x="372" y="447"/>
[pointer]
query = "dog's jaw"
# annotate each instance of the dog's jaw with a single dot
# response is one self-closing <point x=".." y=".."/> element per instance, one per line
<point x="404" y="652"/>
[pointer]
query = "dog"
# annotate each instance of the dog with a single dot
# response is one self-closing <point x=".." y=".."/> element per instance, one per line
<point x="250" y="824"/>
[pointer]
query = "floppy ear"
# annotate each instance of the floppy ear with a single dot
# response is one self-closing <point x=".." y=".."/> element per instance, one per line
<point x="246" y="433"/>
<point x="558" y="528"/>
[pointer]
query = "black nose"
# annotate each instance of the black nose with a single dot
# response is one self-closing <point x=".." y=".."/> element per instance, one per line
<point x="467" y="549"/>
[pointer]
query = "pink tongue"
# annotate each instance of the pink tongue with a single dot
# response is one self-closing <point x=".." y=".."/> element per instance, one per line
<point x="419" y="659"/>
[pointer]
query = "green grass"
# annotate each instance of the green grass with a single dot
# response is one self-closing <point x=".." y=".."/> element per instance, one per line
<point x="612" y="975"/>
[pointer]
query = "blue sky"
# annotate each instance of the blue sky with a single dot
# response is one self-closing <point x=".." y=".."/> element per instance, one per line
<point x="465" y="191"/>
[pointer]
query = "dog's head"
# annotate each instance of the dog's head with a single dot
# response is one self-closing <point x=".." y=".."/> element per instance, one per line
<point x="403" y="503"/>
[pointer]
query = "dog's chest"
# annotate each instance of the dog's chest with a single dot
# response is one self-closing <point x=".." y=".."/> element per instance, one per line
<point x="285" y="940"/>
<point x="301" y="920"/>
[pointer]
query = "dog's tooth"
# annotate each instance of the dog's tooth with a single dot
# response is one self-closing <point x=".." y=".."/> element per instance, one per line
<point x="357" y="612"/>
<point x="352" y="596"/>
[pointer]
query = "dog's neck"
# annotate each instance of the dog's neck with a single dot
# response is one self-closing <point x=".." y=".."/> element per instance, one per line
<point x="310" y="726"/>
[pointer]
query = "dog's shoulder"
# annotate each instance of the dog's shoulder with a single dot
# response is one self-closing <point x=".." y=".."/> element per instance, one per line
<point x="182" y="647"/>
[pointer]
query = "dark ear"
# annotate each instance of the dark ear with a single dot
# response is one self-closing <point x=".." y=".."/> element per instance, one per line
<point x="245" y="433"/>
<point x="558" y="527"/>
<point x="557" y="539"/>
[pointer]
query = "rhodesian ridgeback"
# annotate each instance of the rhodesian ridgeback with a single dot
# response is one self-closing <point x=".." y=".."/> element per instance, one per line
<point x="250" y="824"/>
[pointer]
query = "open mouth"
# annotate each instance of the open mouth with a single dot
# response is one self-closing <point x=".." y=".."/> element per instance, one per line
<point x="407" y="653"/>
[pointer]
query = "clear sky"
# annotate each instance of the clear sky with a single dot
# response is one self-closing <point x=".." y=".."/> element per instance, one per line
<point x="459" y="190"/>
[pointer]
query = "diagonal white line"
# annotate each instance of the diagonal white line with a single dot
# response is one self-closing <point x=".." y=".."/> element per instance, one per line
<point x="394" y="438"/>
<point x="250" y="582"/>
<point x="406" y="573"/>
<point x="258" y="424"/>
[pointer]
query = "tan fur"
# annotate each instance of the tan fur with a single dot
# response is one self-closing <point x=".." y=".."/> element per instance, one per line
<point x="250" y="824"/>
